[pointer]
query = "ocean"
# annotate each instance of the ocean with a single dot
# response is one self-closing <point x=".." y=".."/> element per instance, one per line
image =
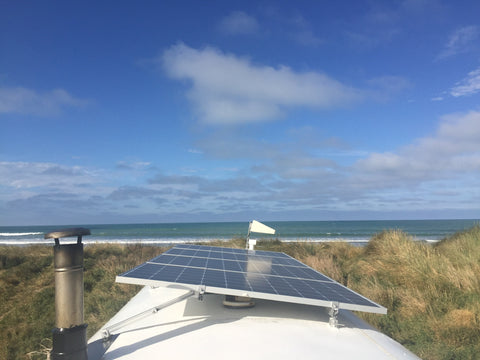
<point x="355" y="232"/>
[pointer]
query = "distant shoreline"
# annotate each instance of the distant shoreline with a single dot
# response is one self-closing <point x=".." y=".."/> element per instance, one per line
<point x="354" y="232"/>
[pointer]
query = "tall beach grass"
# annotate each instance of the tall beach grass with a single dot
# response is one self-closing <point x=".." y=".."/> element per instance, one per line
<point x="27" y="295"/>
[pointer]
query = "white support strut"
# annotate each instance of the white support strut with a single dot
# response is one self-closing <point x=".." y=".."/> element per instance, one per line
<point x="108" y="331"/>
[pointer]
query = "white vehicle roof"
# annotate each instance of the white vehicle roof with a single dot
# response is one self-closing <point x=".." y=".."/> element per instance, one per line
<point x="205" y="329"/>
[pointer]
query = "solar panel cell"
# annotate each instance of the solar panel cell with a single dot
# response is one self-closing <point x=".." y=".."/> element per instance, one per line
<point x="190" y="276"/>
<point x="198" y="262"/>
<point x="237" y="281"/>
<point x="260" y="283"/>
<point x="181" y="260"/>
<point x="175" y="251"/>
<point x="283" y="287"/>
<point x="167" y="273"/>
<point x="214" y="278"/>
<point x="215" y="264"/>
<point x="165" y="259"/>
<point x="241" y="257"/>
<point x="143" y="271"/>
<point x="229" y="256"/>
<point x="232" y="266"/>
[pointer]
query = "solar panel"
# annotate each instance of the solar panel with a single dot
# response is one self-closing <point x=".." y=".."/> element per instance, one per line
<point x="255" y="274"/>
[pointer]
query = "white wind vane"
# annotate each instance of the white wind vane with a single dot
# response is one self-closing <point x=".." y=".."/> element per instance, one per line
<point x="257" y="227"/>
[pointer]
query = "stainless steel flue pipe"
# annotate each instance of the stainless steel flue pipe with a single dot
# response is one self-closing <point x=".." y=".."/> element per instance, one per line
<point x="70" y="334"/>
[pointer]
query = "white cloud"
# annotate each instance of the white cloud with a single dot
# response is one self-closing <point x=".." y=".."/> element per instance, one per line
<point x="459" y="41"/>
<point x="239" y="23"/>
<point x="133" y="165"/>
<point x="468" y="86"/>
<point x="20" y="100"/>
<point x="227" y="89"/>
<point x="451" y="152"/>
<point x="37" y="176"/>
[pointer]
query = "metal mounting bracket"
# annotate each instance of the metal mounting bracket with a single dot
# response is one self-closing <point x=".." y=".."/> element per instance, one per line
<point x="333" y="312"/>
<point x="200" y="292"/>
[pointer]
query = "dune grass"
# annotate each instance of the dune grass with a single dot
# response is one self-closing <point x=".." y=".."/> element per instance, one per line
<point x="27" y="296"/>
<point x="432" y="292"/>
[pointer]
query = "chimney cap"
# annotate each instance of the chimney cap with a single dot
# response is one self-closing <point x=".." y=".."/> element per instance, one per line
<point x="67" y="233"/>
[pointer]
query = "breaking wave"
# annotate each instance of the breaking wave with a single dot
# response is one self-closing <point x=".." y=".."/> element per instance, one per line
<point x="21" y="234"/>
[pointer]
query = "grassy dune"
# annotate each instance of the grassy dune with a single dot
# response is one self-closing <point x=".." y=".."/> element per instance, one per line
<point x="27" y="309"/>
<point x="432" y="292"/>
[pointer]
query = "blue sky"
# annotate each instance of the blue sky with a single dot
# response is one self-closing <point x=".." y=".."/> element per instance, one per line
<point x="114" y="112"/>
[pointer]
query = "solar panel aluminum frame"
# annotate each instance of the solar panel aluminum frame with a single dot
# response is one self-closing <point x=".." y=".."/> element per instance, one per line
<point x="252" y="294"/>
<point x="374" y="308"/>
